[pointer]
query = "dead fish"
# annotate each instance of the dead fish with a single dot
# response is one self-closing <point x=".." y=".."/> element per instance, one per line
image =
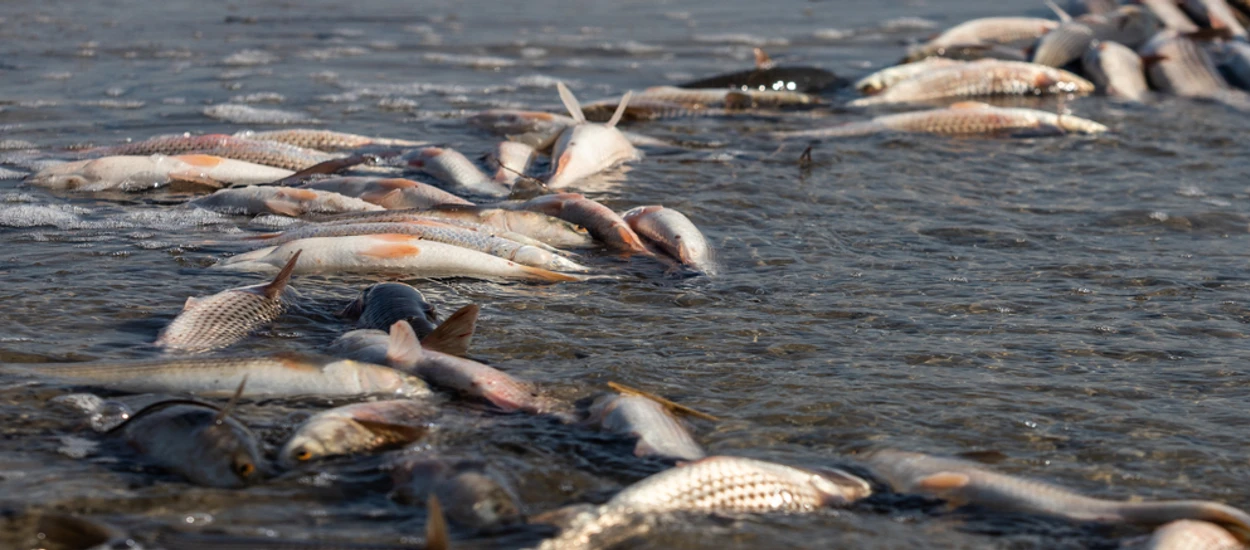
<point x="963" y="118"/>
<point x="1116" y="70"/>
<point x="268" y="153"/>
<point x="586" y="148"/>
<point x="659" y="433"/>
<point x="960" y="483"/>
<point x="472" y="494"/>
<point x="138" y="173"/>
<point x="1187" y="534"/>
<point x="1181" y="67"/>
<point x="513" y="160"/>
<point x="1215" y="14"/>
<point x="768" y="76"/>
<point x="604" y="224"/>
<point x="674" y="233"/>
<point x="453" y="337"/>
<point x="390" y="193"/>
<point x="645" y="108"/>
<point x="326" y="140"/>
<point x="981" y="78"/>
<point x="522" y="226"/>
<point x="456" y="171"/>
<point x="1170" y="14"/>
<point x="400" y="255"/>
<point x="541" y="130"/>
<point x="964" y="52"/>
<point x="284" y="374"/>
<point x="726" y="98"/>
<point x="357" y="428"/>
<point x="880" y="80"/>
<point x="1129" y="25"/>
<point x="287" y="201"/>
<point x="197" y="441"/>
<point x="224" y="318"/>
<point x="1064" y="44"/>
<point x="384" y="304"/>
<point x="995" y="30"/>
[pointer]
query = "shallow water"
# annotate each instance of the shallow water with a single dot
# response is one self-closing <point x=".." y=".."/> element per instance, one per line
<point x="1076" y="304"/>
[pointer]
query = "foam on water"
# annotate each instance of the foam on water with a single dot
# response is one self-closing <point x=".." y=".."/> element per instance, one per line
<point x="244" y="114"/>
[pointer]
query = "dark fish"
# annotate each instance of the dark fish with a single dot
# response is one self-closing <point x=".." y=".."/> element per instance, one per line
<point x="767" y="76"/>
<point x="471" y="494"/>
<point x="357" y="428"/>
<point x="382" y="305"/>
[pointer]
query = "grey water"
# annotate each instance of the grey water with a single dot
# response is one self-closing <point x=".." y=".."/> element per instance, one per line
<point x="1076" y="307"/>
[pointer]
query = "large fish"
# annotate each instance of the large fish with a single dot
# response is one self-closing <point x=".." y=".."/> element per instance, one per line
<point x="1116" y="70"/>
<point x="674" y="233"/>
<point x="995" y="30"/>
<point x="285" y="374"/>
<point x="456" y="171"/>
<point x="326" y="140"/>
<point x="389" y="254"/>
<point x="884" y="78"/>
<point x="391" y="193"/>
<point x="287" y="201"/>
<point x="224" y="318"/>
<point x="540" y="130"/>
<point x="472" y="494"/>
<point x="138" y="173"/>
<point x="588" y="148"/>
<point x="1064" y="44"/>
<point x="964" y="118"/>
<point x="357" y="428"/>
<point x="658" y="431"/>
<point x="960" y="482"/>
<point x="1182" y="67"/>
<point x="604" y="224"/>
<point x="268" y="153"/>
<point x="981" y="78"/>
<point x="384" y="304"/>
<point x="726" y="98"/>
<point x="768" y="76"/>
<point x="1129" y="25"/>
<point x="1187" y="534"/>
<point x="522" y="226"/>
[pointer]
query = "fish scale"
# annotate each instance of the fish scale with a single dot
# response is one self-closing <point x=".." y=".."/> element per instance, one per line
<point x="981" y="78"/>
<point x="268" y="153"/>
<point x="325" y="140"/>
<point x="965" y="118"/>
<point x="219" y="320"/>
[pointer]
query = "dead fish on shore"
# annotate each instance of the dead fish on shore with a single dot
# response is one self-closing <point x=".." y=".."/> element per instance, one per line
<point x="884" y="78"/>
<point x="224" y="318"/>
<point x="455" y="171"/>
<point x="725" y="98"/>
<point x="588" y="148"/>
<point x="357" y="428"/>
<point x="675" y="234"/>
<point x="384" y="304"/>
<point x="139" y="173"/>
<point x="1182" y="67"/>
<point x="964" y="118"/>
<point x="659" y="432"/>
<point x="1116" y="70"/>
<point x="988" y="37"/>
<point x="1187" y="534"/>
<point x="287" y="201"/>
<point x="472" y="494"/>
<point x="268" y="153"/>
<point x="389" y="254"/>
<point x="980" y="78"/>
<point x="1129" y="25"/>
<point x="532" y="228"/>
<point x="513" y="160"/>
<point x="767" y="75"/>
<point x="605" y="225"/>
<point x="325" y="140"/>
<point x="1215" y="14"/>
<point x="962" y="483"/>
<point x="389" y="193"/>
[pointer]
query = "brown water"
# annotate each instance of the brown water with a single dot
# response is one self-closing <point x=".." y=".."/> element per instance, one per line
<point x="1078" y="305"/>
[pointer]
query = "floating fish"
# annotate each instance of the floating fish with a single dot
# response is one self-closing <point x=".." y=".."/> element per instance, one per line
<point x="357" y="428"/>
<point x="1116" y="70"/>
<point x="963" y="118"/>
<point x="384" y="304"/>
<point x="1064" y="44"/>
<point x="960" y="483"/>
<point x="287" y="201"/>
<point x="473" y="495"/>
<point x="268" y="153"/>
<point x="389" y="254"/>
<point x="880" y="80"/>
<point x="768" y="76"/>
<point x="995" y="30"/>
<point x="587" y="148"/>
<point x="541" y="130"/>
<point x="726" y="98"/>
<point x="1129" y="25"/>
<point x="604" y="224"/>
<point x="456" y="171"/>
<point x="391" y="193"/>
<point x="659" y="433"/>
<point x="674" y="233"/>
<point x="981" y="78"/>
<point x="513" y="161"/>
<point x="138" y="173"/>
<point x="224" y="318"/>
<point x="453" y="337"/>
<point x="326" y="140"/>
<point x="522" y="226"/>
<point x="1187" y="534"/>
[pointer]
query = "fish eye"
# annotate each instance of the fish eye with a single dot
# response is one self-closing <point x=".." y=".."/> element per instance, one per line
<point x="244" y="469"/>
<point x="303" y="455"/>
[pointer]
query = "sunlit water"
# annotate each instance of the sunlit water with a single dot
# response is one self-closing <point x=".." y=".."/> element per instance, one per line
<point x="1078" y="305"/>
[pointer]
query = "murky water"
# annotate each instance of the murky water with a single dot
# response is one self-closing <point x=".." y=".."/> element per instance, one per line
<point x="1078" y="305"/>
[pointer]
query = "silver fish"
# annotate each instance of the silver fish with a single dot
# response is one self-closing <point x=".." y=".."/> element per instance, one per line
<point x="981" y="78"/>
<point x="268" y="153"/>
<point x="455" y="171"/>
<point x="287" y="201"/>
<point x="1182" y="68"/>
<point x="390" y="193"/>
<point x="995" y="30"/>
<point x="1116" y="70"/>
<point x="604" y="224"/>
<point x="1170" y="14"/>
<point x="586" y="148"/>
<point x="525" y="227"/>
<point x="200" y="442"/>
<point x="674" y="233"/>
<point x="326" y="140"/>
<point x="513" y="160"/>
<point x="884" y="78"/>
<point x="1216" y="14"/>
<point x="224" y="318"/>
<point x="659" y="433"/>
<point x="357" y="428"/>
<point x="1064" y="44"/>
<point x="963" y="118"/>
<point x="1187" y="534"/>
<point x="138" y="173"/>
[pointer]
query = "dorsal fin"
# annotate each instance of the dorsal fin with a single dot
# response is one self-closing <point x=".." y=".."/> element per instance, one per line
<point x="620" y="109"/>
<point x="762" y="61"/>
<point x="234" y="400"/>
<point x="436" y="537"/>
<point x="674" y="407"/>
<point x="571" y="103"/>
<point x="454" y="336"/>
<point x="275" y="288"/>
<point x="403" y="351"/>
<point x="1063" y="15"/>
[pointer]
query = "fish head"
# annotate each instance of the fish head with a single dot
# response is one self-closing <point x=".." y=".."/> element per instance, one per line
<point x="584" y="150"/>
<point x="228" y="456"/>
<point x="70" y="175"/>
<point x="838" y="487"/>
<point x="475" y="499"/>
<point x="316" y="439"/>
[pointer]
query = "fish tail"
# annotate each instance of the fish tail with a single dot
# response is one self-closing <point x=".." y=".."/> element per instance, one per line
<point x="1158" y="513"/>
<point x="539" y="274"/>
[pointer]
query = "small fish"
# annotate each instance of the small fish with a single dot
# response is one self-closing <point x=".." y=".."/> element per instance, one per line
<point x="268" y="153"/>
<point x="456" y="171"/>
<point x="880" y="80"/>
<point x="473" y="495"/>
<point x="391" y="193"/>
<point x="960" y="483"/>
<point x="287" y="201"/>
<point x="224" y="318"/>
<point x="139" y="173"/>
<point x="604" y="224"/>
<point x="357" y="428"/>
<point x="198" y="441"/>
<point x="326" y="140"/>
<point x="727" y="98"/>
<point x="1170" y="14"/>
<point x="674" y="233"/>
<point x="586" y="148"/>
<point x="981" y="78"/>
<point x="1116" y="70"/>
<point x="1187" y="534"/>
<point x="768" y="76"/>
<point x="401" y="255"/>
<point x="513" y="161"/>
<point x="963" y="118"/>
<point x="285" y="374"/>
<point x="659" y="433"/>
<point x="384" y="304"/>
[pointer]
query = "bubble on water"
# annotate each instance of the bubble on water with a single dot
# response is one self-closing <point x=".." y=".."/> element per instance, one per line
<point x="7" y="174"/>
<point x="533" y="53"/>
<point x="10" y="144"/>
<point x="397" y="104"/>
<point x="471" y="61"/>
<point x="109" y="415"/>
<point x="243" y="114"/>
<point x="36" y="215"/>
<point x="174" y="101"/>
<point x="632" y="47"/>
<point x="833" y="34"/>
<point x="543" y="81"/>
<point x="113" y="103"/>
<point x="58" y="75"/>
<point x="76" y="447"/>
<point x="744" y="39"/>
<point x="115" y="91"/>
<point x="177" y="218"/>
<point x="259" y="97"/>
<point x="908" y="24"/>
<point x="250" y="58"/>
<point x="198" y="518"/>
<point x="322" y="54"/>
<point x="239" y="74"/>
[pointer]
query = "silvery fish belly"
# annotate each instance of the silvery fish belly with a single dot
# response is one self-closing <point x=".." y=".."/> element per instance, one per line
<point x="884" y="78"/>
<point x="1116" y="70"/>
<point x="659" y="433"/>
<point x="735" y="484"/>
<point x="1170" y="14"/>
<point x="226" y="317"/>
<point x="198" y="442"/>
<point x="963" y="118"/>
<point x="325" y="140"/>
<point x="674" y="233"/>
<point x="137" y="173"/>
<point x="357" y="428"/>
<point x="588" y="149"/>
<point x="288" y="201"/>
<point x="391" y="193"/>
<point x="1188" y="534"/>
<point x="981" y="78"/>
<point x="456" y="171"/>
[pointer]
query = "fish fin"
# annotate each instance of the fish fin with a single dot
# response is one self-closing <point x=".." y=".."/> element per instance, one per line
<point x="391" y="200"/>
<point x="548" y="276"/>
<point x="571" y="103"/>
<point x="643" y="448"/>
<point x="968" y="105"/>
<point x="393" y="433"/>
<point x="190" y="303"/>
<point x="391" y="250"/>
<point x="436" y="537"/>
<point x="194" y="176"/>
<point x="620" y="109"/>
<point x="762" y="61"/>
<point x="284" y="207"/>
<point x="1062" y="14"/>
<point x="943" y="481"/>
<point x="275" y="288"/>
<point x="671" y="406"/>
<point x="1148" y="60"/>
<point x="402" y="348"/>
<point x="455" y="334"/>
<point x="232" y="403"/>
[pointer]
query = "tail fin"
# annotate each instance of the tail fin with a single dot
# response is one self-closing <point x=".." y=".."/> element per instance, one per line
<point x="454" y="336"/>
<point x="436" y="537"/>
<point x="571" y="103"/>
<point x="1063" y="15"/>
<point x="275" y="288"/>
<point x="403" y="351"/>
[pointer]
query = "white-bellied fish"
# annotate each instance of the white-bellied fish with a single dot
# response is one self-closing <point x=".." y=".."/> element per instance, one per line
<point x="588" y="148"/>
<point x="390" y="193"/>
<point x="986" y="77"/>
<point x="1116" y="70"/>
<point x="532" y="228"/>
<point x="604" y="224"/>
<point x="138" y="173"/>
<point x="357" y="428"/>
<point x="884" y="78"/>
<point x="268" y="153"/>
<point x="1181" y="67"/>
<point x="966" y="118"/>
<point x="455" y="171"/>
<point x="674" y="233"/>
<point x="512" y="161"/>
<point x="1216" y="14"/>
<point x="287" y="201"/>
<point x="995" y="30"/>
<point x="325" y="140"/>
<point x="658" y="431"/>
<point x="1170" y="14"/>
